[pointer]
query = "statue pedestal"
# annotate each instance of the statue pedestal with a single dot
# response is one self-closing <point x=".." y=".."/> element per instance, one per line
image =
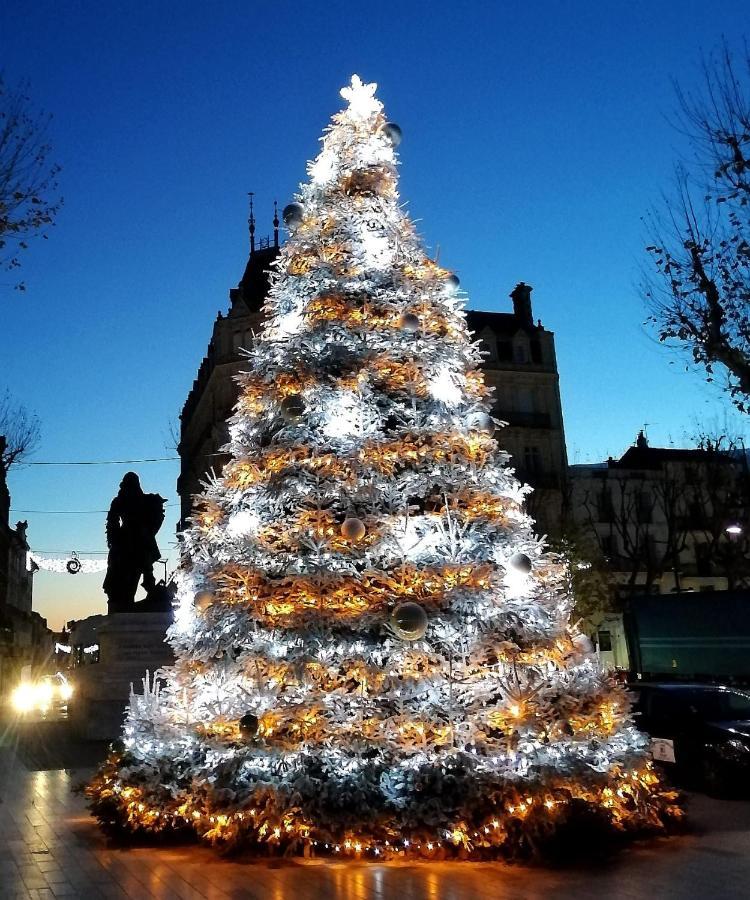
<point x="129" y="644"/>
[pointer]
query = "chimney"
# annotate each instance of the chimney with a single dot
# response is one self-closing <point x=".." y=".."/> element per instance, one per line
<point x="641" y="442"/>
<point x="521" y="296"/>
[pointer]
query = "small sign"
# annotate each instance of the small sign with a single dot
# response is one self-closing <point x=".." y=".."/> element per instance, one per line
<point x="662" y="750"/>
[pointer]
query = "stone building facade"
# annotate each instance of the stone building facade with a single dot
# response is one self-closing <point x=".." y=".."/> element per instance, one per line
<point x="520" y="363"/>
<point x="24" y="637"/>
<point x="668" y="519"/>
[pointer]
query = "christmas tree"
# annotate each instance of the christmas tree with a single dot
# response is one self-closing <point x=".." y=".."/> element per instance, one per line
<point x="374" y="650"/>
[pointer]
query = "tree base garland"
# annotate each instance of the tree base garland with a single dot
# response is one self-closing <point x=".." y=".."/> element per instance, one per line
<point x="491" y="818"/>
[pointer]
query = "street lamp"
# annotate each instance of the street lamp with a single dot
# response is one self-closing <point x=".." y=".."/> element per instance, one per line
<point x="734" y="530"/>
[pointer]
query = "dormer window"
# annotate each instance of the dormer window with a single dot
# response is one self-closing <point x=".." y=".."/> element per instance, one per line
<point x="488" y="344"/>
<point x="520" y="352"/>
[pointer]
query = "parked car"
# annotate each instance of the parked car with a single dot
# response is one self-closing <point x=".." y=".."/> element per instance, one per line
<point x="701" y="731"/>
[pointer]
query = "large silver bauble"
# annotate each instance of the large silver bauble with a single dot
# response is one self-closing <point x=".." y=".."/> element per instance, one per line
<point x="293" y="214"/>
<point x="521" y="563"/>
<point x="353" y="529"/>
<point x="292" y="408"/>
<point x="409" y="621"/>
<point x="409" y="321"/>
<point x="204" y="599"/>
<point x="392" y="132"/>
<point x="452" y="283"/>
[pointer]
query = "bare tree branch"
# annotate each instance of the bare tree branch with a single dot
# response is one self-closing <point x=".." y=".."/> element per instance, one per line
<point x="29" y="201"/>
<point x="20" y="429"/>
<point x="698" y="291"/>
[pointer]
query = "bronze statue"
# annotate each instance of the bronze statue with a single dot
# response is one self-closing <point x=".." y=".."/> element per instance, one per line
<point x="133" y="521"/>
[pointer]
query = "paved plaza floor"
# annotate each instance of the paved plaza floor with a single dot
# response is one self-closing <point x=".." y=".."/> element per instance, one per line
<point x="50" y="847"/>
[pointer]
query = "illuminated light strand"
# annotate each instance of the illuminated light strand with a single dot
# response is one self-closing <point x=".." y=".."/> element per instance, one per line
<point x="275" y="828"/>
<point x="284" y="602"/>
<point x="384" y="457"/>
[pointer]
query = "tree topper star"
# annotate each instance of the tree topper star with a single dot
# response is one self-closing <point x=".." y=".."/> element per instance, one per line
<point x="361" y="98"/>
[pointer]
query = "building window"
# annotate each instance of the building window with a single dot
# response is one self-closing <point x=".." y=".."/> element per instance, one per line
<point x="532" y="459"/>
<point x="524" y="400"/>
<point x="488" y="345"/>
<point x="644" y="508"/>
<point x="521" y="354"/>
<point x="536" y="352"/>
<point x="608" y="544"/>
<point x="604" y="639"/>
<point x="505" y="351"/>
<point x="606" y="509"/>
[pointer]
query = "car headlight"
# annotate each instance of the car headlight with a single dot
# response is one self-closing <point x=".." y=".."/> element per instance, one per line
<point x="65" y="691"/>
<point x="23" y="697"/>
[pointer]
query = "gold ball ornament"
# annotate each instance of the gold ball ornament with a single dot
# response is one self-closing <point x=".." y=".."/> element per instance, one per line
<point x="204" y="599"/>
<point x="409" y="621"/>
<point x="353" y="529"/>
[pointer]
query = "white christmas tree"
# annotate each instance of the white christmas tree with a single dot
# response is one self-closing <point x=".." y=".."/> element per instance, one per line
<point x="374" y="651"/>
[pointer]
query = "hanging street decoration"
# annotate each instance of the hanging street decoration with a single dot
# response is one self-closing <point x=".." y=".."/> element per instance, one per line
<point x="403" y="681"/>
<point x="71" y="565"/>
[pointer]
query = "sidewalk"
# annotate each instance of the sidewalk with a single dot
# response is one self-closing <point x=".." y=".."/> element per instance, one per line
<point x="50" y="847"/>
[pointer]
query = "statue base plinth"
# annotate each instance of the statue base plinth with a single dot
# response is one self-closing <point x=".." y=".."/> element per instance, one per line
<point x="129" y="645"/>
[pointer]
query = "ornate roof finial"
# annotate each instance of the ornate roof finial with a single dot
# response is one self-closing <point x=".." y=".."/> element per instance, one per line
<point x="251" y="223"/>
<point x="275" y="224"/>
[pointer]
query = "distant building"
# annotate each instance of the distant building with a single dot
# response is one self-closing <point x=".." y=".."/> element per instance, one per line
<point x="24" y="637"/>
<point x="666" y="520"/>
<point x="520" y="364"/>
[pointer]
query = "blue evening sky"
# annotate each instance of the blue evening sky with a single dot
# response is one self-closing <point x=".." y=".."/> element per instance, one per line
<point x="535" y="140"/>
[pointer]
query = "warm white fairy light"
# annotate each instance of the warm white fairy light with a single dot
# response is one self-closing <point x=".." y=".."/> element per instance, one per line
<point x="443" y="387"/>
<point x="242" y="523"/>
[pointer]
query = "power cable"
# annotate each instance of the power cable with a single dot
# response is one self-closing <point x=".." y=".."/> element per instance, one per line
<point x="104" y="462"/>
<point x="71" y="512"/>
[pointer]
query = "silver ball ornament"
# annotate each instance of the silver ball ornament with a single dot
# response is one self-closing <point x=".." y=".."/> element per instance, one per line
<point x="353" y="529"/>
<point x="409" y="621"/>
<point x="293" y="214"/>
<point x="521" y="563"/>
<point x="292" y="408"/>
<point x="409" y="322"/>
<point x="204" y="599"/>
<point x="392" y="132"/>
<point x="484" y="422"/>
<point x="452" y="283"/>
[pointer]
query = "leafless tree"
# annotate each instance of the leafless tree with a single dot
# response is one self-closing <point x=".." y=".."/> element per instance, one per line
<point x="720" y="505"/>
<point x="29" y="201"/>
<point x="628" y="508"/>
<point x="20" y="429"/>
<point x="698" y="288"/>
